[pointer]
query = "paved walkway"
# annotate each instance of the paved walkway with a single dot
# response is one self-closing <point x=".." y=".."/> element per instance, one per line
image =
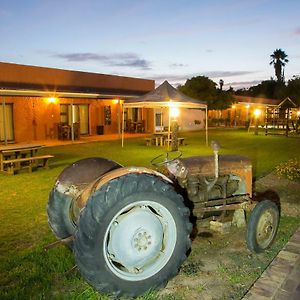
<point x="281" y="280"/>
<point x="86" y="139"/>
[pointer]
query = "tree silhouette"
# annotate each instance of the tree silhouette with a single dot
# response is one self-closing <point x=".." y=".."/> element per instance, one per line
<point x="221" y="83"/>
<point x="203" y="88"/>
<point x="278" y="60"/>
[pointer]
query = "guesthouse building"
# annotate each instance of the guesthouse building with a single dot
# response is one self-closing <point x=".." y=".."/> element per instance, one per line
<point x="38" y="103"/>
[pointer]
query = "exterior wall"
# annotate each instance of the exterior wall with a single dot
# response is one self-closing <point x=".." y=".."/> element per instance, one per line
<point x="191" y="119"/>
<point x="34" y="118"/>
<point x="188" y="119"/>
<point x="241" y="112"/>
<point x="237" y="115"/>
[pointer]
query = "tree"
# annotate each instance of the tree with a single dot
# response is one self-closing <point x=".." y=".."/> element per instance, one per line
<point x="204" y="89"/>
<point x="278" y="60"/>
<point x="293" y="89"/>
<point x="221" y="83"/>
<point x="268" y="89"/>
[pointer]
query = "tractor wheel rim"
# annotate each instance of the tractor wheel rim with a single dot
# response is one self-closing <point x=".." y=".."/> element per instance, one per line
<point x="266" y="228"/>
<point x="139" y="240"/>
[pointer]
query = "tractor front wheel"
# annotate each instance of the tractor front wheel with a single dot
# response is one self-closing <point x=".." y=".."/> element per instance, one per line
<point x="133" y="235"/>
<point x="262" y="226"/>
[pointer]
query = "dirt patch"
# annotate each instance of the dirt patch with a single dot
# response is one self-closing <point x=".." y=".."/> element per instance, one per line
<point x="220" y="266"/>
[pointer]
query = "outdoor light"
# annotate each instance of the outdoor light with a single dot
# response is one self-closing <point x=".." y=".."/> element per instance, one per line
<point x="247" y="106"/>
<point x="115" y="101"/>
<point x="257" y="112"/>
<point x="52" y="99"/>
<point x="233" y="106"/>
<point x="298" y="113"/>
<point x="174" y="111"/>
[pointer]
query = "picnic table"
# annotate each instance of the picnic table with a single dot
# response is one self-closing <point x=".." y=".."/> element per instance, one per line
<point x="14" y="158"/>
<point x="162" y="139"/>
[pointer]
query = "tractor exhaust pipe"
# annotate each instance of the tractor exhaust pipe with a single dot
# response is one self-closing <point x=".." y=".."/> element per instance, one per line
<point x="216" y="147"/>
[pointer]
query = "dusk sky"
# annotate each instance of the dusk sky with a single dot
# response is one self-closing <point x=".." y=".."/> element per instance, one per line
<point x="172" y="40"/>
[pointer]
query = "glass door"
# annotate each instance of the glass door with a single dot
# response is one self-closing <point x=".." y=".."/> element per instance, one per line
<point x="6" y="122"/>
<point x="80" y="115"/>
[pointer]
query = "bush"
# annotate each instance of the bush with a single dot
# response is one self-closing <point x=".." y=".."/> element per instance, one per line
<point x="289" y="170"/>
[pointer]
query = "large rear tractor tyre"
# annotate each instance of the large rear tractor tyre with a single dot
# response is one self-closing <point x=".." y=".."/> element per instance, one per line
<point x="132" y="236"/>
<point x="62" y="209"/>
<point x="262" y="226"/>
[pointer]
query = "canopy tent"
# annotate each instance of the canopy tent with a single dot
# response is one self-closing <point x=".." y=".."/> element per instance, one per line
<point x="164" y="96"/>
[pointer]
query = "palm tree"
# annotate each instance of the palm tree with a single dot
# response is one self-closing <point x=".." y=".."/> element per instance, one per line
<point x="221" y="82"/>
<point x="278" y="60"/>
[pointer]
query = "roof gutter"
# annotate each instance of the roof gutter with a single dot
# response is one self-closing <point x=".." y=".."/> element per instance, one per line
<point x="35" y="93"/>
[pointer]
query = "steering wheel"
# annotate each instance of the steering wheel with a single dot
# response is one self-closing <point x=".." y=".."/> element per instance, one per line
<point x="165" y="158"/>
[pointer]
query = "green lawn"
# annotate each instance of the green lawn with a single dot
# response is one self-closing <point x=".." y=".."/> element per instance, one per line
<point x="26" y="271"/>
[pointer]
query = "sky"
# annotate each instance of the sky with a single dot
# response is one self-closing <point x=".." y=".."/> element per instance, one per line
<point x="161" y="40"/>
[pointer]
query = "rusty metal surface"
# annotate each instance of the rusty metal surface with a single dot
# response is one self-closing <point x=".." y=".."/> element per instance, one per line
<point x="232" y="203"/>
<point x="204" y="165"/>
<point x="80" y="174"/>
<point x="82" y="199"/>
<point x="228" y="164"/>
<point x="129" y="170"/>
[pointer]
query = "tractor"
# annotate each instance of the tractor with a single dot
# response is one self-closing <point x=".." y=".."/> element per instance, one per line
<point x="129" y="227"/>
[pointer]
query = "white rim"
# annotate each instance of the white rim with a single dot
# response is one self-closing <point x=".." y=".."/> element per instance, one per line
<point x="139" y="240"/>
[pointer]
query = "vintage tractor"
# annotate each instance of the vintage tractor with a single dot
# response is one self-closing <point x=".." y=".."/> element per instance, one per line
<point x="129" y="227"/>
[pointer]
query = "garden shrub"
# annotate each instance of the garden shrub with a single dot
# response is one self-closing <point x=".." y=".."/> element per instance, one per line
<point x="289" y="169"/>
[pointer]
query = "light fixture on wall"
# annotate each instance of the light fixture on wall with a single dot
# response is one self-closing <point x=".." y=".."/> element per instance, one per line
<point x="52" y="100"/>
<point x="115" y="101"/>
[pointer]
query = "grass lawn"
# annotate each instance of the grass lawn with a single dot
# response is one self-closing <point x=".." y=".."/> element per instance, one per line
<point x="26" y="271"/>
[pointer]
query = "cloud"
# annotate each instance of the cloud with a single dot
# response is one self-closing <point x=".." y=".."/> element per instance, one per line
<point x="112" y="60"/>
<point x="242" y="84"/>
<point x="181" y="79"/>
<point x="171" y="77"/>
<point x="217" y="74"/>
<point x="176" y="65"/>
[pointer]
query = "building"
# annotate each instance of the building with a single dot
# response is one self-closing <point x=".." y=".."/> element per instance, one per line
<point x="242" y="112"/>
<point x="35" y="101"/>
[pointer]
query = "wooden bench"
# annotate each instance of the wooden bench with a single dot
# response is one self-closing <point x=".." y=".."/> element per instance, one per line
<point x="150" y="141"/>
<point x="180" y="141"/>
<point x="11" y="165"/>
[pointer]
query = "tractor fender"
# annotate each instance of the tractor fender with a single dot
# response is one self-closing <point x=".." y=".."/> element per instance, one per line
<point x="99" y="182"/>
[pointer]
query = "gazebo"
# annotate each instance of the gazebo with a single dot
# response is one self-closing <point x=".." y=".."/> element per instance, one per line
<point x="164" y="96"/>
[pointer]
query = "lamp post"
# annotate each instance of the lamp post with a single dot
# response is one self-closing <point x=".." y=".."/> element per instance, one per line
<point x="174" y="113"/>
<point x="247" y="116"/>
<point x="234" y="108"/>
<point x="257" y="113"/>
